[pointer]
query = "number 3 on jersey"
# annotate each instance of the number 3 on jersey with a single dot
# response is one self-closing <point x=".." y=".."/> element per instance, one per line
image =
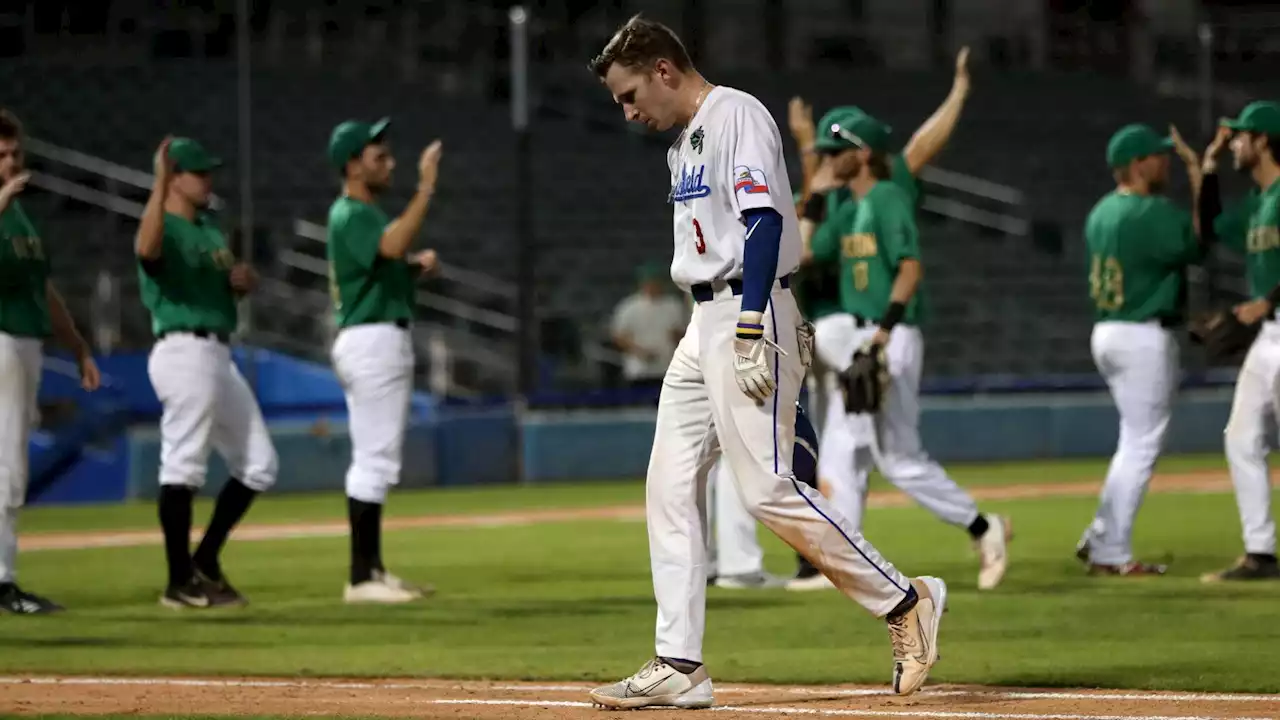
<point x="699" y="242"/>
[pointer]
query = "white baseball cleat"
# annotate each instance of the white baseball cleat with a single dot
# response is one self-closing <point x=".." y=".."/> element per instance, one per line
<point x="657" y="684"/>
<point x="377" y="591"/>
<point x="396" y="582"/>
<point x="915" y="635"/>
<point x="993" y="548"/>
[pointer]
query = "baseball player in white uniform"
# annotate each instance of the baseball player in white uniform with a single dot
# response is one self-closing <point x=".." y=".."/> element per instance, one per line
<point x="733" y="383"/>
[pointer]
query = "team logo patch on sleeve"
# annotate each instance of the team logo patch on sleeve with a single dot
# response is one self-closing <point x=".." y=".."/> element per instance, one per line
<point x="749" y="180"/>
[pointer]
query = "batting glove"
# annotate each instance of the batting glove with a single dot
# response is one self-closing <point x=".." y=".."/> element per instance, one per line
<point x="750" y="365"/>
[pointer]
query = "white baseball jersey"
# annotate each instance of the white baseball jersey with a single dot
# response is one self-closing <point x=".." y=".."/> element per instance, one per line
<point x="727" y="161"/>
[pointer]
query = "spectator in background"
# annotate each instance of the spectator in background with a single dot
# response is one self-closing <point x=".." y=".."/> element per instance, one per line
<point x="647" y="326"/>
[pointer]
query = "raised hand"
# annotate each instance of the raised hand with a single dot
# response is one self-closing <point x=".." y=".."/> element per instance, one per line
<point x="961" y="81"/>
<point x="1181" y="147"/>
<point x="13" y="188"/>
<point x="161" y="164"/>
<point x="429" y="166"/>
<point x="800" y="120"/>
<point x="1210" y="161"/>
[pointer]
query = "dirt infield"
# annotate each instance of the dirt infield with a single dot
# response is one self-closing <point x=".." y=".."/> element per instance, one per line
<point x="500" y="701"/>
<point x="1191" y="482"/>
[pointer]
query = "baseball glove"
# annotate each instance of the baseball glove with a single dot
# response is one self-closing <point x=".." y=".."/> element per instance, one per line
<point x="1222" y="334"/>
<point x="866" y="382"/>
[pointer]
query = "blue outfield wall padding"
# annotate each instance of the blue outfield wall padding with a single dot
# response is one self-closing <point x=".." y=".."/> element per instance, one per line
<point x="476" y="447"/>
<point x="313" y="454"/>
<point x="598" y="444"/>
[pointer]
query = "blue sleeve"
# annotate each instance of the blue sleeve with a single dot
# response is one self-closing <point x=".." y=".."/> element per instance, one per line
<point x="760" y="257"/>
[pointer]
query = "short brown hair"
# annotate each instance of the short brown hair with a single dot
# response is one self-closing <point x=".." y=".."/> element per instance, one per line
<point x="10" y="126"/>
<point x="879" y="164"/>
<point x="639" y="44"/>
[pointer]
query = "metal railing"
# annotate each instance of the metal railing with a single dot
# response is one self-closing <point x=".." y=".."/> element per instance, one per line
<point x="104" y="168"/>
<point x="451" y="347"/>
<point x="1012" y="221"/>
<point x="479" y="283"/>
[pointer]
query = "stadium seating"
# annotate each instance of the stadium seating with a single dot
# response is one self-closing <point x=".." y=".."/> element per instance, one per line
<point x="1000" y="304"/>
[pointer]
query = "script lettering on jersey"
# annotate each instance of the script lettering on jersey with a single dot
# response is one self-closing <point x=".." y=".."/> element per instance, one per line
<point x="858" y="245"/>
<point x="27" y="248"/>
<point x="1263" y="239"/>
<point x="689" y="186"/>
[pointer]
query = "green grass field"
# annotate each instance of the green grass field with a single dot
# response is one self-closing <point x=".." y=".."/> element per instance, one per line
<point x="573" y="600"/>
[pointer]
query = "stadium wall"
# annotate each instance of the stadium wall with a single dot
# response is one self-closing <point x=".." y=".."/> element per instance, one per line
<point x="459" y="446"/>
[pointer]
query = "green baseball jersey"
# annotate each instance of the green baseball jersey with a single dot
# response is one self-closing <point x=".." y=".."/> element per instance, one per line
<point x="1139" y="247"/>
<point x="189" y="286"/>
<point x="1251" y="226"/>
<point x="24" y="276"/>
<point x="870" y="238"/>
<point x="819" y="291"/>
<point x="366" y="287"/>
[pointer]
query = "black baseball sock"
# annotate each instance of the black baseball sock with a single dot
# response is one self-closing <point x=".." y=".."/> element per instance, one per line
<point x="683" y="666"/>
<point x="366" y="539"/>
<point x="175" y="520"/>
<point x="1263" y="558"/>
<point x="804" y="568"/>
<point x="233" y="503"/>
<point x="905" y="606"/>
<point x="979" y="527"/>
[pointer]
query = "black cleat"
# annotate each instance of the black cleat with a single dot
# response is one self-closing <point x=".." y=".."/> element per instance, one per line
<point x="14" y="599"/>
<point x="1248" y="568"/>
<point x="189" y="595"/>
<point x="220" y="592"/>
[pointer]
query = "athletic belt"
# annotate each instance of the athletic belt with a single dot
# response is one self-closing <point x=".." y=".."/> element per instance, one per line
<point x="402" y="324"/>
<point x="703" y="292"/>
<point x="864" y="322"/>
<point x="202" y="333"/>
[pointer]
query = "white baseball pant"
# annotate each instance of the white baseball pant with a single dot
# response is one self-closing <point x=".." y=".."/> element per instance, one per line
<point x="735" y="549"/>
<point x="1255" y="407"/>
<point x="701" y="408"/>
<point x="20" y="361"/>
<point x="893" y="435"/>
<point x="207" y="405"/>
<point x="374" y="364"/>
<point x="1139" y="362"/>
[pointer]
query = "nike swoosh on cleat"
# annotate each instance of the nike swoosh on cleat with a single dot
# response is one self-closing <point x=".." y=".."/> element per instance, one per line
<point x="641" y="692"/>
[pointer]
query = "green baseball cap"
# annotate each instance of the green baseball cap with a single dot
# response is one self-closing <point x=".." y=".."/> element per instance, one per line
<point x="849" y="127"/>
<point x="351" y="137"/>
<point x="1262" y="117"/>
<point x="652" y="271"/>
<point x="187" y="155"/>
<point x="1133" y="142"/>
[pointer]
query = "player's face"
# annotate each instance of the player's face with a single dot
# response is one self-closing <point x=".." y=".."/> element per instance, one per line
<point x="196" y="188"/>
<point x="1244" y="151"/>
<point x="1155" y="170"/>
<point x="848" y="163"/>
<point x="646" y="96"/>
<point x="374" y="166"/>
<point x="10" y="158"/>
